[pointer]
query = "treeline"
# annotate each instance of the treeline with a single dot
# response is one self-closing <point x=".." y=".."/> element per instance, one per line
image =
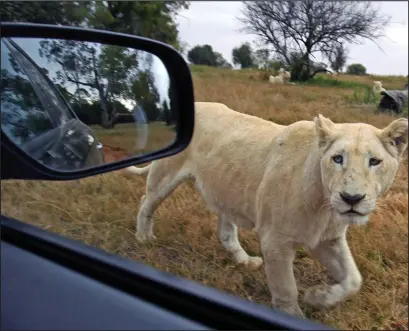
<point x="246" y="57"/>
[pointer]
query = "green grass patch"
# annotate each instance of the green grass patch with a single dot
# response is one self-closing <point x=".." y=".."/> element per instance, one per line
<point x="203" y="68"/>
<point x="364" y="95"/>
<point x="331" y="82"/>
<point x="405" y="111"/>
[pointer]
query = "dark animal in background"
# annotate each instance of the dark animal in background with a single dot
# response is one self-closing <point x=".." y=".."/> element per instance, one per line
<point x="393" y="100"/>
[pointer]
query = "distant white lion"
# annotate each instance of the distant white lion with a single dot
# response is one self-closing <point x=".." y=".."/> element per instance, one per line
<point x="276" y="79"/>
<point x="286" y="76"/>
<point x="377" y="87"/>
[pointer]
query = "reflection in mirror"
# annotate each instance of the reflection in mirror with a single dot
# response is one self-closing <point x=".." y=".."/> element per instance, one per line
<point x="116" y="101"/>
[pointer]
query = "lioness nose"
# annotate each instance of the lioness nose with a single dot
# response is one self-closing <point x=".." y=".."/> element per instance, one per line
<point x="352" y="199"/>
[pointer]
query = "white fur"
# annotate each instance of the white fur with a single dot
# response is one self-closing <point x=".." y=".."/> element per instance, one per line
<point x="276" y="79"/>
<point x="282" y="182"/>
<point x="377" y="87"/>
<point x="286" y="76"/>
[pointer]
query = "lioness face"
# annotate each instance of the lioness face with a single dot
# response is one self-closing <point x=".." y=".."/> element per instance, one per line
<point x="359" y="163"/>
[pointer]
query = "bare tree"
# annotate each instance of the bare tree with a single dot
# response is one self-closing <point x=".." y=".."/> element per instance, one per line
<point x="338" y="58"/>
<point x="307" y="27"/>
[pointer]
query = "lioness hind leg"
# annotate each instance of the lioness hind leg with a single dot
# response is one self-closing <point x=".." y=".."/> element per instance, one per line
<point x="158" y="189"/>
<point x="337" y="258"/>
<point x="228" y="235"/>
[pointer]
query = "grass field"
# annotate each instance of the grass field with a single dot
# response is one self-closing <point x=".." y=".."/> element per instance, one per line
<point x="101" y="211"/>
<point x="125" y="136"/>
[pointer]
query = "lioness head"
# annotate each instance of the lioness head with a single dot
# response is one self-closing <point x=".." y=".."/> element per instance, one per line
<point x="358" y="164"/>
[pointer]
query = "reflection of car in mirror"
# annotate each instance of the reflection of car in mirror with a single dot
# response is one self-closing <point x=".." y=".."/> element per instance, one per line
<point x="69" y="146"/>
<point x="37" y="119"/>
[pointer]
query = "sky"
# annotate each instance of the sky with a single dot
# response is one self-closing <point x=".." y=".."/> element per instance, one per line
<point x="215" y="23"/>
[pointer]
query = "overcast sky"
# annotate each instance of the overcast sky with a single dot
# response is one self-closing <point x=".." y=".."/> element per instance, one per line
<point x="215" y="23"/>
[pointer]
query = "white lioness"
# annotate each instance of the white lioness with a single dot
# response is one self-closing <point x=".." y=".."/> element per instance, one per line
<point x="296" y="185"/>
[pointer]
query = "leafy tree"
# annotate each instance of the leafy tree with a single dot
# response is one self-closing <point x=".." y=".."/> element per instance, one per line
<point x="171" y="119"/>
<point x="46" y="12"/>
<point x="166" y="112"/>
<point x="89" y="112"/>
<point x="243" y="55"/>
<point x="205" y="55"/>
<point x="151" y="19"/>
<point x="202" y="55"/>
<point x="146" y="95"/>
<point x="356" y="69"/>
<point x="106" y="70"/>
<point x="307" y="27"/>
<point x="338" y="58"/>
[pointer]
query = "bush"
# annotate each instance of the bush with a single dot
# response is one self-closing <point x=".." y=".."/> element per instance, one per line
<point x="364" y="96"/>
<point x="356" y="69"/>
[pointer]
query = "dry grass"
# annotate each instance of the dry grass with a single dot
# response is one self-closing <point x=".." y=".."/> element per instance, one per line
<point x="125" y="136"/>
<point x="101" y="211"/>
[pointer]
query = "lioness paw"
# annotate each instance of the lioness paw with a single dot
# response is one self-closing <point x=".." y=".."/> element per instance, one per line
<point x="144" y="237"/>
<point x="294" y="310"/>
<point x="323" y="296"/>
<point x="254" y="262"/>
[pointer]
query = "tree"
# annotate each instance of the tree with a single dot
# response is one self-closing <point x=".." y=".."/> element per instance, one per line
<point x="243" y="55"/>
<point x="172" y="113"/>
<point x="338" y="58"/>
<point x="202" y="55"/>
<point x="146" y="95"/>
<point x="308" y="27"/>
<point x="46" y="12"/>
<point x="151" y="19"/>
<point x="356" y="69"/>
<point x="221" y="62"/>
<point x="106" y="70"/>
<point x="205" y="55"/>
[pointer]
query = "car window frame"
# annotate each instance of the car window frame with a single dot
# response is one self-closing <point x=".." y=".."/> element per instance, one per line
<point x="68" y="110"/>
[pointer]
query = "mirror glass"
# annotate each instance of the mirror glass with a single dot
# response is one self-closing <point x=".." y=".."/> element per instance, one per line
<point x="74" y="105"/>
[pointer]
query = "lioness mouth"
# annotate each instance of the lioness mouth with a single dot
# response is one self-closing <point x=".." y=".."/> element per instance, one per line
<point x="352" y="212"/>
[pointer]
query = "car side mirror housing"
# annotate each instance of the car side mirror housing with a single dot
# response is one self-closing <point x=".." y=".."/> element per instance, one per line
<point x="78" y="102"/>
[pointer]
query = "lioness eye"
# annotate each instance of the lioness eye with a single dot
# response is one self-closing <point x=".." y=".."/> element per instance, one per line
<point x="338" y="159"/>
<point x="374" y="161"/>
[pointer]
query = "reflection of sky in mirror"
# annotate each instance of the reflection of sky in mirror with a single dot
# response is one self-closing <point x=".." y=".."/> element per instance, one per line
<point x="31" y="47"/>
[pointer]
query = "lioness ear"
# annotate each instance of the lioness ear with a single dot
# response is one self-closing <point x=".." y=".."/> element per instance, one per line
<point x="324" y="127"/>
<point x="396" y="134"/>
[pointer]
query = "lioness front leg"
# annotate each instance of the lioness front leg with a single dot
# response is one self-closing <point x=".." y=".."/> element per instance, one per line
<point x="228" y="235"/>
<point x="278" y="263"/>
<point x="337" y="258"/>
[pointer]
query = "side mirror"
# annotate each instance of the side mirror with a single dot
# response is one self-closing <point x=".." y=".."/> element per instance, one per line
<point x="78" y="102"/>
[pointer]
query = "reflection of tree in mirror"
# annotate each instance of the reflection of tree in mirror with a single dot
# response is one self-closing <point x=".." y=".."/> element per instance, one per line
<point x="106" y="70"/>
<point x="22" y="115"/>
<point x="146" y="94"/>
<point x="171" y="117"/>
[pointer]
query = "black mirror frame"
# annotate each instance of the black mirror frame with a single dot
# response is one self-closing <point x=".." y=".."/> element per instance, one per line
<point x="179" y="74"/>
